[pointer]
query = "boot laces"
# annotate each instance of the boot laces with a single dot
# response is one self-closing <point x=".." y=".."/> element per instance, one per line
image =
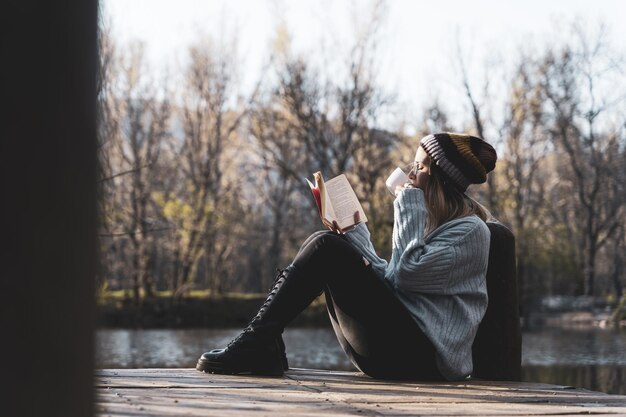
<point x="240" y="338"/>
<point x="278" y="281"/>
<point x="248" y="331"/>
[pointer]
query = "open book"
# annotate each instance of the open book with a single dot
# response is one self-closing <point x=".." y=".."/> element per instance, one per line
<point x="336" y="201"/>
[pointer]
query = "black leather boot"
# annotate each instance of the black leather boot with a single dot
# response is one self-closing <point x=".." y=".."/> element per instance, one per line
<point x="246" y="354"/>
<point x="260" y="349"/>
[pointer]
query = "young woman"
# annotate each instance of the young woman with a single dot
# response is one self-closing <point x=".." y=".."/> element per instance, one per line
<point x="414" y="317"/>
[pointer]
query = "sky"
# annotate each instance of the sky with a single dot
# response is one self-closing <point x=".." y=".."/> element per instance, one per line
<point x="416" y="50"/>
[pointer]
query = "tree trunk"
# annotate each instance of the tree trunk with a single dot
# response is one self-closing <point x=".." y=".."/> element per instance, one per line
<point x="589" y="270"/>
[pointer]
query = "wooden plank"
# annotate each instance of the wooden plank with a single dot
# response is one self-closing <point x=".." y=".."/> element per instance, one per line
<point x="305" y="392"/>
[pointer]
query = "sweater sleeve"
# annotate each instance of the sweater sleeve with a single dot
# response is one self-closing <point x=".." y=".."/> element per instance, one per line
<point x="360" y="238"/>
<point x="422" y="266"/>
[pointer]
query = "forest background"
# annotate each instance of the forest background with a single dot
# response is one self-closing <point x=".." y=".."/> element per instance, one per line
<point x="202" y="180"/>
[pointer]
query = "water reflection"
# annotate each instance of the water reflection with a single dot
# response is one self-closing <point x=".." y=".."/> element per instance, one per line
<point x="550" y="346"/>
<point x="592" y="358"/>
<point x="605" y="378"/>
<point x="122" y="348"/>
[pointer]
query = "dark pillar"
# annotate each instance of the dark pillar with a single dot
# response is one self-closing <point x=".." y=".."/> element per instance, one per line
<point x="48" y="168"/>
<point x="497" y="349"/>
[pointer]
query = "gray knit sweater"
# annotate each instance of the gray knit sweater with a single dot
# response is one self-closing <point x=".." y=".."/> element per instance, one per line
<point x="440" y="278"/>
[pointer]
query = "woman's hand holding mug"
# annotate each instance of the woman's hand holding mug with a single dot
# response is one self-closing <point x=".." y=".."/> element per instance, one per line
<point x="397" y="181"/>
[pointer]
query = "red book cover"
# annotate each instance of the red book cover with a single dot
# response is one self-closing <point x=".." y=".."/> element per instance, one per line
<point x="316" y="194"/>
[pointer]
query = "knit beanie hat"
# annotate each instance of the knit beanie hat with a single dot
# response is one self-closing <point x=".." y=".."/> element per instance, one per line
<point x="464" y="159"/>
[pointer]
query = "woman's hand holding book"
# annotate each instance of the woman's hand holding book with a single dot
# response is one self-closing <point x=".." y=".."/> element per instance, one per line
<point x="335" y="227"/>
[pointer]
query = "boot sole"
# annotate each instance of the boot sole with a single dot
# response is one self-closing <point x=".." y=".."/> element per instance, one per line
<point x="209" y="367"/>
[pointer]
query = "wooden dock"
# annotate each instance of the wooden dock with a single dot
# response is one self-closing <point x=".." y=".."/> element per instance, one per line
<point x="306" y="392"/>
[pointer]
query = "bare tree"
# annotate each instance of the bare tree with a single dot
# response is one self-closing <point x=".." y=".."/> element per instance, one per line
<point x="571" y="77"/>
<point x="142" y="118"/>
<point x="280" y="169"/>
<point x="333" y="119"/>
<point x="478" y="119"/>
<point x="107" y="125"/>
<point x="131" y="124"/>
<point x="209" y="123"/>
<point x="525" y="174"/>
<point x="618" y="273"/>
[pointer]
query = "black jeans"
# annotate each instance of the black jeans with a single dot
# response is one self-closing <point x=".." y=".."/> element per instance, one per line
<point x="372" y="326"/>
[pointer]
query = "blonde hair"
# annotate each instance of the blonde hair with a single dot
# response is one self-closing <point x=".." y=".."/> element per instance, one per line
<point x="445" y="202"/>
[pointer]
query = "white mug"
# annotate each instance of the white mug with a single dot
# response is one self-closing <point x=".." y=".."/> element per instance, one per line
<point x="397" y="179"/>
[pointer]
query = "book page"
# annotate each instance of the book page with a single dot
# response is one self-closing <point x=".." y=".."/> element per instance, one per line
<point x="344" y="201"/>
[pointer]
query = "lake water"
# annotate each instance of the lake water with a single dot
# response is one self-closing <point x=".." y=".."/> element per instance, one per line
<point x="587" y="358"/>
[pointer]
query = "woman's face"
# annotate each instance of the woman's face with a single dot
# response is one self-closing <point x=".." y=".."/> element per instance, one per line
<point x="420" y="173"/>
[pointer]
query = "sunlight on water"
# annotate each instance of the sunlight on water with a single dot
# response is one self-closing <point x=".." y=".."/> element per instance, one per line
<point x="121" y="348"/>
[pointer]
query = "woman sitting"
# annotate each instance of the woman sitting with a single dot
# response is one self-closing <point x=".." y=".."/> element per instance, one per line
<point x="414" y="317"/>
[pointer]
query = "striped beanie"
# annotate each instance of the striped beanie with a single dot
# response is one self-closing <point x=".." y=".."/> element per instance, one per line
<point x="464" y="159"/>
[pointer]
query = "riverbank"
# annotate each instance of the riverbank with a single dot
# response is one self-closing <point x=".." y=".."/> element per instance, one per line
<point x="196" y="311"/>
<point x="575" y="311"/>
<point x="203" y="310"/>
<point x="575" y="319"/>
